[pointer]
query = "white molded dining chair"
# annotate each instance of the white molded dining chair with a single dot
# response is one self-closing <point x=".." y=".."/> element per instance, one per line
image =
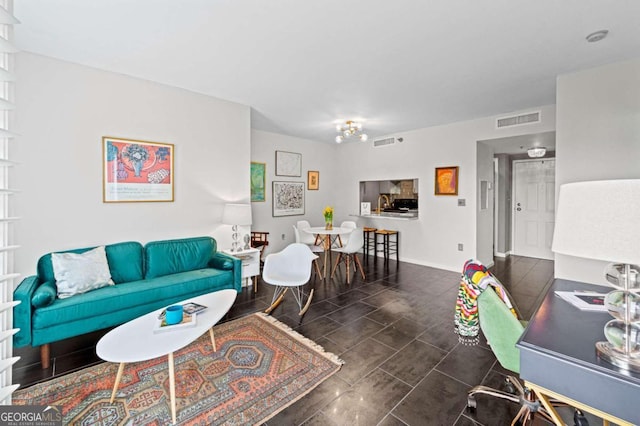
<point x="290" y="268"/>
<point x="302" y="236"/>
<point x="349" y="253"/>
<point x="344" y="238"/>
<point x="314" y="248"/>
<point x="303" y="224"/>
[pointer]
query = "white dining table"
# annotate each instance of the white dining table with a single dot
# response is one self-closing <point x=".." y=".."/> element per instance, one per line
<point x="326" y="237"/>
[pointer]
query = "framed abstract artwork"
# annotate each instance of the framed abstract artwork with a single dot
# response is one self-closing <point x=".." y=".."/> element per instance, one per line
<point x="446" y="180"/>
<point x="288" y="198"/>
<point x="258" y="181"/>
<point x="288" y="164"/>
<point x="136" y="171"/>
<point x="313" y="180"/>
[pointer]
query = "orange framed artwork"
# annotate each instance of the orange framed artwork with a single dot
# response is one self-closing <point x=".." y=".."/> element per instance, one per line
<point x="446" y="180"/>
<point x="136" y="171"/>
<point x="313" y="180"/>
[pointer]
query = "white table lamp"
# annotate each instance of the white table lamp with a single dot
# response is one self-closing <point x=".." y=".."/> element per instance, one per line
<point x="236" y="215"/>
<point x="601" y="220"/>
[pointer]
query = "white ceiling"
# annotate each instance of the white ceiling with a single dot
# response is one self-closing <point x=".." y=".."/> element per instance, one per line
<point x="520" y="144"/>
<point x="304" y="64"/>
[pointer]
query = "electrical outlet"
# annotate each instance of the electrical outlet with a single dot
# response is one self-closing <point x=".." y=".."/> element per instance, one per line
<point x="283" y="236"/>
<point x="460" y="247"/>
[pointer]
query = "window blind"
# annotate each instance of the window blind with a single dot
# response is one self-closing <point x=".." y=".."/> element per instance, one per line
<point x="7" y="248"/>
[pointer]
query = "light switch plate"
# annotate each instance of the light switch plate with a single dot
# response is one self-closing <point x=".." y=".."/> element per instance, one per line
<point x="462" y="202"/>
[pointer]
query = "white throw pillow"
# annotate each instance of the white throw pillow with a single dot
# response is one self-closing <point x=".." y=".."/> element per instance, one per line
<point x="78" y="273"/>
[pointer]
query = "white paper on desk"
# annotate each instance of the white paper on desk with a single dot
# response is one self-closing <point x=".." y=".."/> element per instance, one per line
<point x="584" y="300"/>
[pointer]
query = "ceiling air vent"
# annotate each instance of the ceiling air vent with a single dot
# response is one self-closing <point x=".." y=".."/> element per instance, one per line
<point x="517" y="120"/>
<point x="383" y="142"/>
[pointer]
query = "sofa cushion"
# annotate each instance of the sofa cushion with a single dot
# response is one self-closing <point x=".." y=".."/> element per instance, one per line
<point x="175" y="256"/>
<point x="44" y="294"/>
<point x="154" y="293"/>
<point x="125" y="262"/>
<point x="78" y="273"/>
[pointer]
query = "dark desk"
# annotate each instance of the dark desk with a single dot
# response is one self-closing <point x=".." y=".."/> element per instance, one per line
<point x="558" y="359"/>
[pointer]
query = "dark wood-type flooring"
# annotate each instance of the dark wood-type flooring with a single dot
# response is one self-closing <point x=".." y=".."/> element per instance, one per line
<point x="394" y="330"/>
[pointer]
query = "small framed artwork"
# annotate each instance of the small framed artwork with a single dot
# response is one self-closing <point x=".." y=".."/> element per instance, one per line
<point x="365" y="208"/>
<point x="288" y="198"/>
<point x="313" y="180"/>
<point x="136" y="171"/>
<point x="258" y="181"/>
<point x="446" y="180"/>
<point x="288" y="164"/>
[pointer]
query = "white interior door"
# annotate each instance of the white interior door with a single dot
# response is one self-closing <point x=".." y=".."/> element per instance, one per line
<point x="533" y="207"/>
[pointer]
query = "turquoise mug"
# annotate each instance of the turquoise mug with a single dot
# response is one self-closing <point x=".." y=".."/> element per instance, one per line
<point x="173" y="314"/>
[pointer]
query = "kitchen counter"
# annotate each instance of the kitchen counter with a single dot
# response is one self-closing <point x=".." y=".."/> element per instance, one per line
<point x="383" y="215"/>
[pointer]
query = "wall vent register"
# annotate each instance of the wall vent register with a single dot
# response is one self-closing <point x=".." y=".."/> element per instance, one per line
<point x="386" y="141"/>
<point x="517" y="120"/>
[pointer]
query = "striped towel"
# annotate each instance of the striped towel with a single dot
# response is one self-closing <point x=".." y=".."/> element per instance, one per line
<point x="475" y="279"/>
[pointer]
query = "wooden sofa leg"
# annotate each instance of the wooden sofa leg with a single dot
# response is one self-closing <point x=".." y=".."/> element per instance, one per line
<point x="45" y="356"/>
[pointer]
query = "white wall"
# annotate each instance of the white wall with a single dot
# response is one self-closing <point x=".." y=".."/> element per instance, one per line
<point x="315" y="156"/>
<point x="598" y="137"/>
<point x="503" y="192"/>
<point x="484" y="218"/>
<point x="433" y="239"/>
<point x="63" y="111"/>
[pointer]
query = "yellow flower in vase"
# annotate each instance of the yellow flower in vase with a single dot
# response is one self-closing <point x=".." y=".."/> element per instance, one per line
<point x="328" y="217"/>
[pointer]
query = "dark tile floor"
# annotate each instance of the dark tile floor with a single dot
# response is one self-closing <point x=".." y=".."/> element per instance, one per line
<point x="394" y="330"/>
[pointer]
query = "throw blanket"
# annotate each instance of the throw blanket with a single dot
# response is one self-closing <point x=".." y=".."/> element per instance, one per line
<point x="475" y="279"/>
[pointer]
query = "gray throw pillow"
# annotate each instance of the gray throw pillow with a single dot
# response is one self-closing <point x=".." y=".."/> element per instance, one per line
<point x="78" y="273"/>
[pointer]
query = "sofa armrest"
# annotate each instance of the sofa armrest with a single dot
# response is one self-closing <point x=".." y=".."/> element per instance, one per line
<point x="221" y="261"/>
<point x="226" y="262"/>
<point x="23" y="312"/>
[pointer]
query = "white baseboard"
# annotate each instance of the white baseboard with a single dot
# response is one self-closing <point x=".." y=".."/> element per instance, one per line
<point x="432" y="265"/>
<point x="503" y="255"/>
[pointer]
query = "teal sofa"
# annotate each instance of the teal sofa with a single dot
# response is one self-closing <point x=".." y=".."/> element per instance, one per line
<point x="146" y="278"/>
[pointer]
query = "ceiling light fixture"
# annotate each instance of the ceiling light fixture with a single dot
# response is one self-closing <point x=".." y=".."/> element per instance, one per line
<point x="597" y="36"/>
<point x="536" y="151"/>
<point x="349" y="129"/>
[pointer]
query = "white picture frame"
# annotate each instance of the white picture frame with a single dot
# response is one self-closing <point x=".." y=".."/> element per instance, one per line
<point x="288" y="164"/>
<point x="365" y="208"/>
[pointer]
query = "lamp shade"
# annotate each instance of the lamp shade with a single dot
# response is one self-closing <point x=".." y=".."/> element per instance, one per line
<point x="237" y="214"/>
<point x="599" y="220"/>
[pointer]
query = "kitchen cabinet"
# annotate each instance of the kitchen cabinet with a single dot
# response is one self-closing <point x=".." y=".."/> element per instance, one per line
<point x="406" y="189"/>
<point x="395" y="189"/>
<point x="386" y="187"/>
<point x="369" y="192"/>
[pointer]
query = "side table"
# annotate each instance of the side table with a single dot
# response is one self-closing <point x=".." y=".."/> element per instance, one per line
<point x="250" y="265"/>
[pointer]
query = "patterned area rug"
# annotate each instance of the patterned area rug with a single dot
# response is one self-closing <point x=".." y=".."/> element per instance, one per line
<point x="260" y="368"/>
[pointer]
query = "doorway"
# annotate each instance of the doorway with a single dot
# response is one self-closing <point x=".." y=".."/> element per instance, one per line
<point x="496" y="234"/>
<point x="533" y="208"/>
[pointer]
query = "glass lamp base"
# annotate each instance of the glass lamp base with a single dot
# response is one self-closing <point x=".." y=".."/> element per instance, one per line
<point x="605" y="351"/>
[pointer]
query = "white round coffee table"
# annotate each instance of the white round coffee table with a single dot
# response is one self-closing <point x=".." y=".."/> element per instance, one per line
<point x="137" y="341"/>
